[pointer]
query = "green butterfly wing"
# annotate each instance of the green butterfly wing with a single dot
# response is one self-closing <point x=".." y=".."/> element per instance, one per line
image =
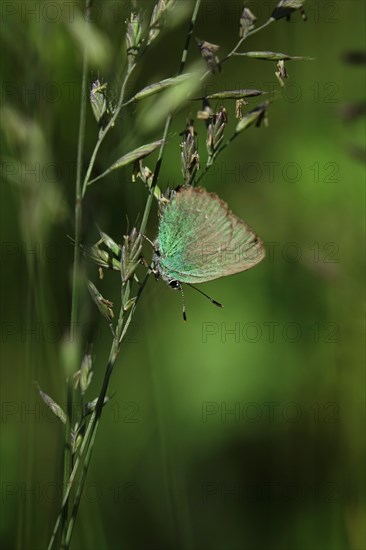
<point x="200" y="239"/>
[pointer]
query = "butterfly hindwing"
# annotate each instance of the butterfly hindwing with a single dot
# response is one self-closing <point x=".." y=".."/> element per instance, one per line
<point x="200" y="239"/>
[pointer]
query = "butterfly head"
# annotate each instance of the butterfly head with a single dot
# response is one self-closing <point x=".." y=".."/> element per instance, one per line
<point x="174" y="284"/>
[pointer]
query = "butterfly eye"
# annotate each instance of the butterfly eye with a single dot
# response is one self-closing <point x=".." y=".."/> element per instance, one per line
<point x="174" y="284"/>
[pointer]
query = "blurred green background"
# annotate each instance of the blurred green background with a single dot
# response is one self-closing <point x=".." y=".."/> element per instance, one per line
<point x="244" y="427"/>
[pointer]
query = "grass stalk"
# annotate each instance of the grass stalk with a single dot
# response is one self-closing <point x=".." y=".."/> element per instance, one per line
<point x="95" y="420"/>
<point x="238" y="44"/>
<point x="169" y="120"/>
<point x="76" y="264"/>
<point x="107" y="128"/>
<point x="80" y="192"/>
<point x="121" y="331"/>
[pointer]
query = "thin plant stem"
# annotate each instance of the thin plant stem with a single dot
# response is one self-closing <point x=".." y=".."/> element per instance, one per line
<point x="107" y="128"/>
<point x="254" y="31"/>
<point x="68" y="486"/>
<point x="67" y="453"/>
<point x="93" y="423"/>
<point x="85" y="445"/>
<point x="155" y="177"/>
<point x="214" y="157"/>
<point x="76" y="262"/>
<point x="239" y="43"/>
<point x="117" y="343"/>
<point x="189" y="36"/>
<point x="80" y="192"/>
<point x="168" y="121"/>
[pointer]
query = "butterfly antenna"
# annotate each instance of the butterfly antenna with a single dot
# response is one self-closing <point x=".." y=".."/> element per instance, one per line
<point x="215" y="302"/>
<point x="183" y="303"/>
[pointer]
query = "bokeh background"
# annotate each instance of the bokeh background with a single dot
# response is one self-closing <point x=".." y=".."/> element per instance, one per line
<point x="244" y="427"/>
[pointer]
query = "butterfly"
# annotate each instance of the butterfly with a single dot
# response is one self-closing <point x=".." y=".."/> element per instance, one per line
<point x="199" y="239"/>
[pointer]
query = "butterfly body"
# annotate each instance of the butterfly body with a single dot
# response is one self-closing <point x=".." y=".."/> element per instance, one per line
<point x="199" y="239"/>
